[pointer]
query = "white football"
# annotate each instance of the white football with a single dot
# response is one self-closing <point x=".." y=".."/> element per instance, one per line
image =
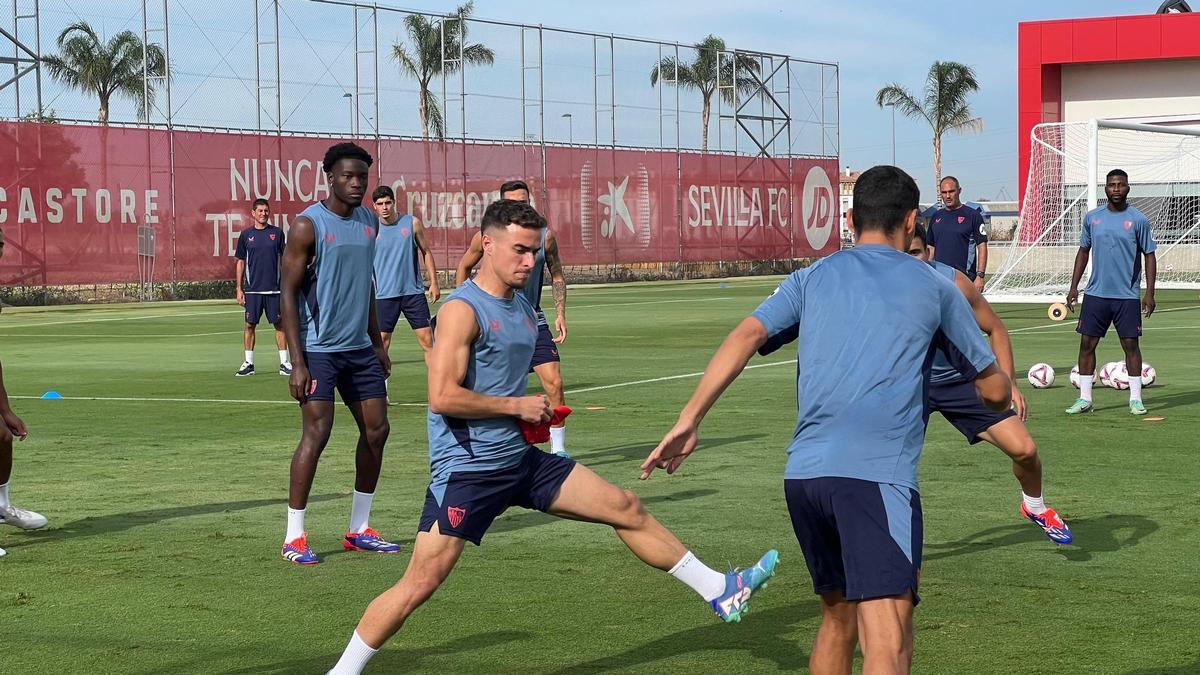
<point x="1119" y="379"/>
<point x="1075" y="376"/>
<point x="1106" y="373"/>
<point x="1041" y="375"/>
<point x="1149" y="374"/>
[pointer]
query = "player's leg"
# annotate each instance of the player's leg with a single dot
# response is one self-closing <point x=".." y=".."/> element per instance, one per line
<point x="885" y="633"/>
<point x="1087" y="371"/>
<point x="253" y="312"/>
<point x="316" y="415"/>
<point x="275" y="317"/>
<point x="416" y="312"/>
<point x="545" y="363"/>
<point x="9" y="514"/>
<point x="584" y="495"/>
<point x="434" y="556"/>
<point x="833" y="649"/>
<point x="1128" y="322"/>
<point x="361" y="385"/>
<point x="387" y="310"/>
<point x="1013" y="438"/>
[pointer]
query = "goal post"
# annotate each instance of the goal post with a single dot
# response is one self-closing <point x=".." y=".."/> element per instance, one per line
<point x="1068" y="162"/>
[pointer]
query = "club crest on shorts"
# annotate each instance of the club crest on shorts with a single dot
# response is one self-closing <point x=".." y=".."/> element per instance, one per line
<point x="455" y="515"/>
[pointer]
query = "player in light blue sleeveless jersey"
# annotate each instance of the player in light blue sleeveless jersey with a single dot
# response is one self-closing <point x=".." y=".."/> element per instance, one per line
<point x="333" y="335"/>
<point x="1122" y="240"/>
<point x="869" y="319"/>
<point x="480" y="463"/>
<point x="545" y="360"/>
<point x="400" y="252"/>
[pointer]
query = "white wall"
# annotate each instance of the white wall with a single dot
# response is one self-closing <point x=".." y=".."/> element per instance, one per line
<point x="1131" y="90"/>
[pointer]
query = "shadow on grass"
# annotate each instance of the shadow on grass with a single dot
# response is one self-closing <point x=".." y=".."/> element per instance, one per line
<point x="119" y="522"/>
<point x="1104" y="534"/>
<point x="388" y="660"/>
<point x="767" y="635"/>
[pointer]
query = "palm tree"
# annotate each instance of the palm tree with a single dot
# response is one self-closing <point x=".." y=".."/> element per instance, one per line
<point x="431" y="40"/>
<point x="712" y="65"/>
<point x="107" y="69"/>
<point x="944" y="104"/>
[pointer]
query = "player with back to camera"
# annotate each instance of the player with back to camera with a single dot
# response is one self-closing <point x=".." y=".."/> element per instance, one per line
<point x="869" y="318"/>
<point x="480" y="463"/>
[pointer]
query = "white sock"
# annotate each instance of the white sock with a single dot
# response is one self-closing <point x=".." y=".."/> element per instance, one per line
<point x="355" y="658"/>
<point x="250" y="356"/>
<point x="1135" y="388"/>
<point x="709" y="583"/>
<point x="1085" y="387"/>
<point x="558" y="439"/>
<point x="360" y="510"/>
<point x="3" y="495"/>
<point x="1036" y="505"/>
<point x="283" y="357"/>
<point x="295" y="526"/>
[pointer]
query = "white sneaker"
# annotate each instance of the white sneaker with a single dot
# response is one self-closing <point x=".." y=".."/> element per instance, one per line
<point x="22" y="518"/>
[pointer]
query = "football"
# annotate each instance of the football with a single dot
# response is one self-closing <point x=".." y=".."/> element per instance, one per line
<point x="1041" y="375"/>
<point x="1119" y="379"/>
<point x="1149" y="374"/>
<point x="1075" y="376"/>
<point x="1106" y="373"/>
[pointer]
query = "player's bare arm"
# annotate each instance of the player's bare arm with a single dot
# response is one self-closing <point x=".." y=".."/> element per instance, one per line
<point x="724" y="367"/>
<point x="469" y="260"/>
<point x="558" y="282"/>
<point x="994" y="388"/>
<point x="990" y="323"/>
<point x="457" y="330"/>
<point x="241" y="272"/>
<point x="434" y="294"/>
<point x="1081" y="261"/>
<point x="301" y="245"/>
<point x="981" y="257"/>
<point x="1151" y="273"/>
<point x="10" y="419"/>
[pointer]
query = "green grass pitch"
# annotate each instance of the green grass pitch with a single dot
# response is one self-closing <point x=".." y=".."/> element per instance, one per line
<point x="166" y="509"/>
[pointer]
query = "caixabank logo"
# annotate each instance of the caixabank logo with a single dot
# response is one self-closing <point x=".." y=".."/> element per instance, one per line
<point x="614" y="209"/>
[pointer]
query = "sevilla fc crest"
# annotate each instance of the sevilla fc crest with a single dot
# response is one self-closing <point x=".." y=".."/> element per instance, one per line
<point x="455" y="515"/>
<point x="961" y="219"/>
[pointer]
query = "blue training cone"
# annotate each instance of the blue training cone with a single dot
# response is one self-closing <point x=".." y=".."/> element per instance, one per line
<point x="52" y="394"/>
<point x="722" y="285"/>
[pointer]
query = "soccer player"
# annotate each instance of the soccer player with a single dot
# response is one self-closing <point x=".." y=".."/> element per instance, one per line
<point x="258" y="251"/>
<point x="869" y="318"/>
<point x="333" y="332"/>
<point x="954" y="397"/>
<point x="545" y="360"/>
<point x="11" y="427"/>
<point x="957" y="235"/>
<point x="1122" y="237"/>
<point x="481" y="463"/>
<point x="399" y="251"/>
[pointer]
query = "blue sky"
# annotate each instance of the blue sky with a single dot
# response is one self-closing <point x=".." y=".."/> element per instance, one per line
<point x="874" y="42"/>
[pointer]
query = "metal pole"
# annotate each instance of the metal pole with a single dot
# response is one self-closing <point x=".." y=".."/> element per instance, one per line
<point x="278" y="80"/>
<point x="595" y="96"/>
<point x="612" y="85"/>
<point x="375" y="58"/>
<point x="357" y="86"/>
<point x="524" y="109"/>
<point x="170" y="143"/>
<point x="16" y="54"/>
<point x="145" y="63"/>
<point x="37" y="41"/>
<point x="1093" y="164"/>
<point x="257" y="70"/>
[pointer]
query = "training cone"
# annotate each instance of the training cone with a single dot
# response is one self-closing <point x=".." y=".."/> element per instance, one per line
<point x="1057" y="312"/>
<point x="52" y="394"/>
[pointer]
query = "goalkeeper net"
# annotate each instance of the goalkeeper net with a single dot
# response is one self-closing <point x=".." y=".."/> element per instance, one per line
<point x="1067" y="166"/>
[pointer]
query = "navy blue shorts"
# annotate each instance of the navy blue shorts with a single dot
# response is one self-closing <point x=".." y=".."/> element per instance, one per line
<point x="471" y="500"/>
<point x="356" y="374"/>
<point x="259" y="303"/>
<point x="545" y="351"/>
<point x="414" y="307"/>
<point x="858" y="537"/>
<point x="1097" y="313"/>
<point x="959" y="403"/>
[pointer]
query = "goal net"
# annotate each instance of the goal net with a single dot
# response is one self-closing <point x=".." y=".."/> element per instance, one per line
<point x="1067" y="166"/>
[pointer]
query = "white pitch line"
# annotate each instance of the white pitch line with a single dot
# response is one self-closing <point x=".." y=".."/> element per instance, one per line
<point x="670" y="377"/>
<point x="1062" y="324"/>
<point x="122" y="318"/>
<point x="647" y="302"/>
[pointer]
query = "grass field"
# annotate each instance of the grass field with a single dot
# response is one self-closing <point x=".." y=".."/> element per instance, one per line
<point x="165" y="478"/>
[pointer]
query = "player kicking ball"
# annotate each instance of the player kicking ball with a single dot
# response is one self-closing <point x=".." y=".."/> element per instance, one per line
<point x="480" y="462"/>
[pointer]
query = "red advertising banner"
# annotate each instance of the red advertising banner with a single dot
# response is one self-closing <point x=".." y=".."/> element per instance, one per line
<point x="73" y="199"/>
